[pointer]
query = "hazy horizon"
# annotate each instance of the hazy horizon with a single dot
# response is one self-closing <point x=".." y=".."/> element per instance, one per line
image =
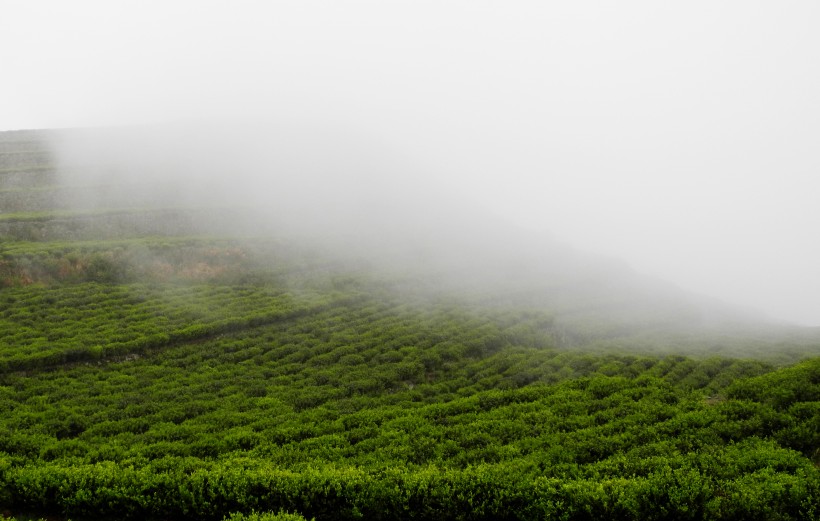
<point x="679" y="138"/>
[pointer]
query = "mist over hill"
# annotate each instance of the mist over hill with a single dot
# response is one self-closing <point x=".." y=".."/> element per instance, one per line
<point x="350" y="199"/>
<point x="202" y="325"/>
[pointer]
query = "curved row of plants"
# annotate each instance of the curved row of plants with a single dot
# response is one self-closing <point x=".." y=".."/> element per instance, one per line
<point x="90" y="321"/>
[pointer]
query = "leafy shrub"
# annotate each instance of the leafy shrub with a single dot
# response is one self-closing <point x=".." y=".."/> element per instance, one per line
<point x="265" y="516"/>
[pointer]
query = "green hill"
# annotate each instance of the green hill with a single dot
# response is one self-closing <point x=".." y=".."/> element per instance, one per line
<point x="204" y="361"/>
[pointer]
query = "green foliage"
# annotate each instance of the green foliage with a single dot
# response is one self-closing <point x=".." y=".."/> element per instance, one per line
<point x="782" y="389"/>
<point x="146" y="377"/>
<point x="265" y="516"/>
<point x="184" y="435"/>
<point x="84" y="322"/>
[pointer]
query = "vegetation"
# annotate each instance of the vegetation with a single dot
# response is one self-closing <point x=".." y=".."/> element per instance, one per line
<point x="194" y="377"/>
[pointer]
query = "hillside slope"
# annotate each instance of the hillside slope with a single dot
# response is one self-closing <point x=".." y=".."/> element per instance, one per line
<point x="195" y="360"/>
<point x="86" y="186"/>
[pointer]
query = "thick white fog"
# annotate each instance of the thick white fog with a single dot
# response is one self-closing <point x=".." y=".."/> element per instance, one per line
<point x="680" y="137"/>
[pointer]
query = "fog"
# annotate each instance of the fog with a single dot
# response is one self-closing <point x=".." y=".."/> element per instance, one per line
<point x="349" y="195"/>
<point x="681" y="138"/>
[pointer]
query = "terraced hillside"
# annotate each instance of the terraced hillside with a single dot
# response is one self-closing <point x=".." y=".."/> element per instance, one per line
<point x="155" y="366"/>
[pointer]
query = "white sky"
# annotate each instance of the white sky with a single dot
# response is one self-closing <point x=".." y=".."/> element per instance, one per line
<point x="683" y="137"/>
